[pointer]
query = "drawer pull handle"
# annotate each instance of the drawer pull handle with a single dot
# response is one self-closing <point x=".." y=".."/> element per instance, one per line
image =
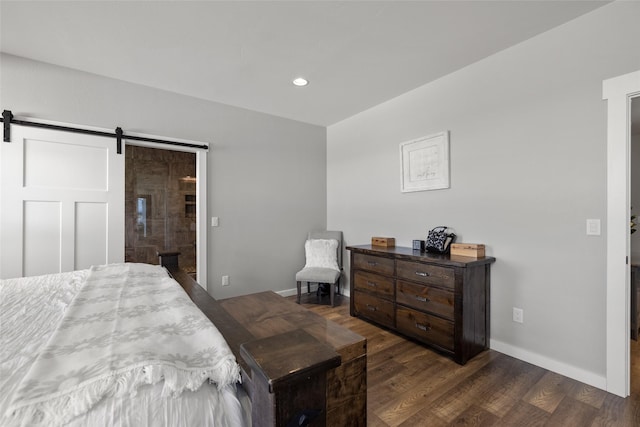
<point x="372" y="284"/>
<point x="372" y="263"/>
<point x="371" y="307"/>
<point x="422" y="299"/>
<point x="421" y="274"/>
<point x="423" y="327"/>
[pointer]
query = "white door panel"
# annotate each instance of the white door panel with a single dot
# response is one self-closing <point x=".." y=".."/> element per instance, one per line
<point x="42" y="237"/>
<point x="91" y="220"/>
<point x="84" y="167"/>
<point x="61" y="202"/>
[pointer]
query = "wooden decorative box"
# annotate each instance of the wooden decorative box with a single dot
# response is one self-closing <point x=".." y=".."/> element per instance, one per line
<point x="473" y="250"/>
<point x="387" y="242"/>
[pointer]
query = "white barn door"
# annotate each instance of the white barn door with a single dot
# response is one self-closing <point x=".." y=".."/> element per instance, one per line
<point x="61" y="202"/>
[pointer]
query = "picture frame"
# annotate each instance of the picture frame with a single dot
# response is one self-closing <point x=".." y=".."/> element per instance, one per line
<point x="424" y="163"/>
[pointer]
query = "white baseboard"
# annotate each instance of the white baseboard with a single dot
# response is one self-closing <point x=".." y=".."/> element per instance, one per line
<point x="287" y="292"/>
<point x="553" y="365"/>
<point x="294" y="291"/>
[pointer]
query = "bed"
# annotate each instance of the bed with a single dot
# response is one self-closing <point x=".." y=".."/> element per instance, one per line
<point x="288" y="370"/>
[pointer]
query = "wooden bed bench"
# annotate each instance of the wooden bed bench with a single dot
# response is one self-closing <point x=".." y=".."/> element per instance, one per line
<point x="295" y="364"/>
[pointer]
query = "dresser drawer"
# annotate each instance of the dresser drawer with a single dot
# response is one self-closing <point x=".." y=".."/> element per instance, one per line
<point x="374" y="283"/>
<point x="426" y="273"/>
<point x="376" y="309"/>
<point x="374" y="263"/>
<point x="425" y="298"/>
<point x="426" y="328"/>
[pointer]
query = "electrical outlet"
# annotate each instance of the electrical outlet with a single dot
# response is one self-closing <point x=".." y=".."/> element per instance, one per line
<point x="518" y="315"/>
<point x="225" y="280"/>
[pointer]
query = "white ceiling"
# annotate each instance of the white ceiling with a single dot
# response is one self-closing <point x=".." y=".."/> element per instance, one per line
<point x="356" y="54"/>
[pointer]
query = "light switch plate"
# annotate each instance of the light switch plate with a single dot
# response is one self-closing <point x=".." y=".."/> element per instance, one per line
<point x="593" y="227"/>
<point x="215" y="221"/>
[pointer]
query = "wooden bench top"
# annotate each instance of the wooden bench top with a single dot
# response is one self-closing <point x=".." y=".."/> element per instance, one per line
<point x="250" y="319"/>
<point x="292" y="360"/>
<point x="265" y="314"/>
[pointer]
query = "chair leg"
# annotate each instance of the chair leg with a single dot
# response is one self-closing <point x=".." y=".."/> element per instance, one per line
<point x="299" y="288"/>
<point x="308" y="287"/>
<point x="332" y="291"/>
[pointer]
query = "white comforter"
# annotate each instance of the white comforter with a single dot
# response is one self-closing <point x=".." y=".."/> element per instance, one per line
<point x="31" y="310"/>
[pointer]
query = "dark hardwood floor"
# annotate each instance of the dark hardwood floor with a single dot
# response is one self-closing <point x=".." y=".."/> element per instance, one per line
<point x="409" y="385"/>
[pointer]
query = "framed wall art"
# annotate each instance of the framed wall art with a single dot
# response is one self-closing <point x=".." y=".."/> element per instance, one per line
<point x="424" y="163"/>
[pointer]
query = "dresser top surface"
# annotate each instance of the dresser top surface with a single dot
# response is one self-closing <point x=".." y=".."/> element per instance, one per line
<point x="401" y="252"/>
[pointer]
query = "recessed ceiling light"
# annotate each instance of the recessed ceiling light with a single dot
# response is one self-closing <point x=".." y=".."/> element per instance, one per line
<point x="300" y="81"/>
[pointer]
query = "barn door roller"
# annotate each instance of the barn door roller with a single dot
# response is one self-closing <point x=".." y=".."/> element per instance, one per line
<point x="6" y="119"/>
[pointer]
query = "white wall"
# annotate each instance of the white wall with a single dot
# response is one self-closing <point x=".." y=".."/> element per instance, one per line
<point x="528" y="167"/>
<point x="266" y="175"/>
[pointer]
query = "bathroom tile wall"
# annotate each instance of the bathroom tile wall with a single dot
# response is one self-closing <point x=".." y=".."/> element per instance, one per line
<point x="160" y="201"/>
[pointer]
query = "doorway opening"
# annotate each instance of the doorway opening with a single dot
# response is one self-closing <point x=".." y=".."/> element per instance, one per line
<point x="618" y="92"/>
<point x="160" y="205"/>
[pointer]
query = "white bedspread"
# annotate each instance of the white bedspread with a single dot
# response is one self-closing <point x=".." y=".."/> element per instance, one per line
<point x="32" y="324"/>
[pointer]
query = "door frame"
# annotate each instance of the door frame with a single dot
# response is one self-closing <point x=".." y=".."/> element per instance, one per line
<point x="618" y="92"/>
<point x="201" y="195"/>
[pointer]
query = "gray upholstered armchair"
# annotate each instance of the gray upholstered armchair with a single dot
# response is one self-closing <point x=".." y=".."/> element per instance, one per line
<point x="323" y="253"/>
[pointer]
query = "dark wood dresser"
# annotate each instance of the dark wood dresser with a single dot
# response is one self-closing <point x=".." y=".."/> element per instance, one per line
<point x="439" y="300"/>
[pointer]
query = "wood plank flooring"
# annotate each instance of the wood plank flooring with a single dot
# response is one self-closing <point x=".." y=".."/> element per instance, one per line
<point x="410" y="385"/>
